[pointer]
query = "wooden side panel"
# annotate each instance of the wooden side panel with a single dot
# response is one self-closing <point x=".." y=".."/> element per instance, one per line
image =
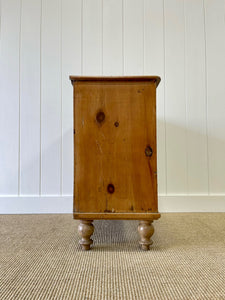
<point x="113" y="151"/>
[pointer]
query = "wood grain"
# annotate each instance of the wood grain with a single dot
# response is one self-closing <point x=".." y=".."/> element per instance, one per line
<point x="116" y="216"/>
<point x="114" y="123"/>
<point x="85" y="230"/>
<point x="145" y="230"/>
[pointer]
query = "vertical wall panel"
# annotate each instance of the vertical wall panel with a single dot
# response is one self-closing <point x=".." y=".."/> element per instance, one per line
<point x="51" y="98"/>
<point x="154" y="65"/>
<point x="92" y="37"/>
<point x="71" y="65"/>
<point x="112" y="37"/>
<point x="9" y="96"/>
<point x="175" y="104"/>
<point x="196" y="97"/>
<point x="215" y="59"/>
<point x="30" y="97"/>
<point x="133" y="37"/>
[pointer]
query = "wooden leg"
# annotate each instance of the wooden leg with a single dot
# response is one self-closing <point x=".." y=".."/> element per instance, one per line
<point x="145" y="230"/>
<point x="85" y="230"/>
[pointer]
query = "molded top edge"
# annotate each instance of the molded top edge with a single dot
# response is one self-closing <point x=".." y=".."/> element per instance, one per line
<point x="155" y="79"/>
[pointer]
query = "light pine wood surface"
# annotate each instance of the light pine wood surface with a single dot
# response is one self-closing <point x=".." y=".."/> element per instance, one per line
<point x="115" y="154"/>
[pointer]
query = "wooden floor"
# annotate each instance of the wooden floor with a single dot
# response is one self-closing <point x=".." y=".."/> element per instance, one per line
<point x="40" y="259"/>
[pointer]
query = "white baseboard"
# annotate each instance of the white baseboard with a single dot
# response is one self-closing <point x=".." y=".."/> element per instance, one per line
<point x="192" y="203"/>
<point x="64" y="204"/>
<point x="36" y="204"/>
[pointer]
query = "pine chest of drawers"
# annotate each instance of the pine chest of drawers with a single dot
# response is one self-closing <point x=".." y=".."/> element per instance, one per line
<point x="115" y="157"/>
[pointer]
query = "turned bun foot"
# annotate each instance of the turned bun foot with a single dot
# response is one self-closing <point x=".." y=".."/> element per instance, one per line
<point x="85" y="230"/>
<point x="145" y="230"/>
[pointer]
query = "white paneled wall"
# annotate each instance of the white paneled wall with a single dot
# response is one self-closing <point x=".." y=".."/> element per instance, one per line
<point x="42" y="42"/>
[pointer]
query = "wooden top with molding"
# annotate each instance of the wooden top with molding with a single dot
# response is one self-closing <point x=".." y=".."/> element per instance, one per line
<point x="155" y="79"/>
